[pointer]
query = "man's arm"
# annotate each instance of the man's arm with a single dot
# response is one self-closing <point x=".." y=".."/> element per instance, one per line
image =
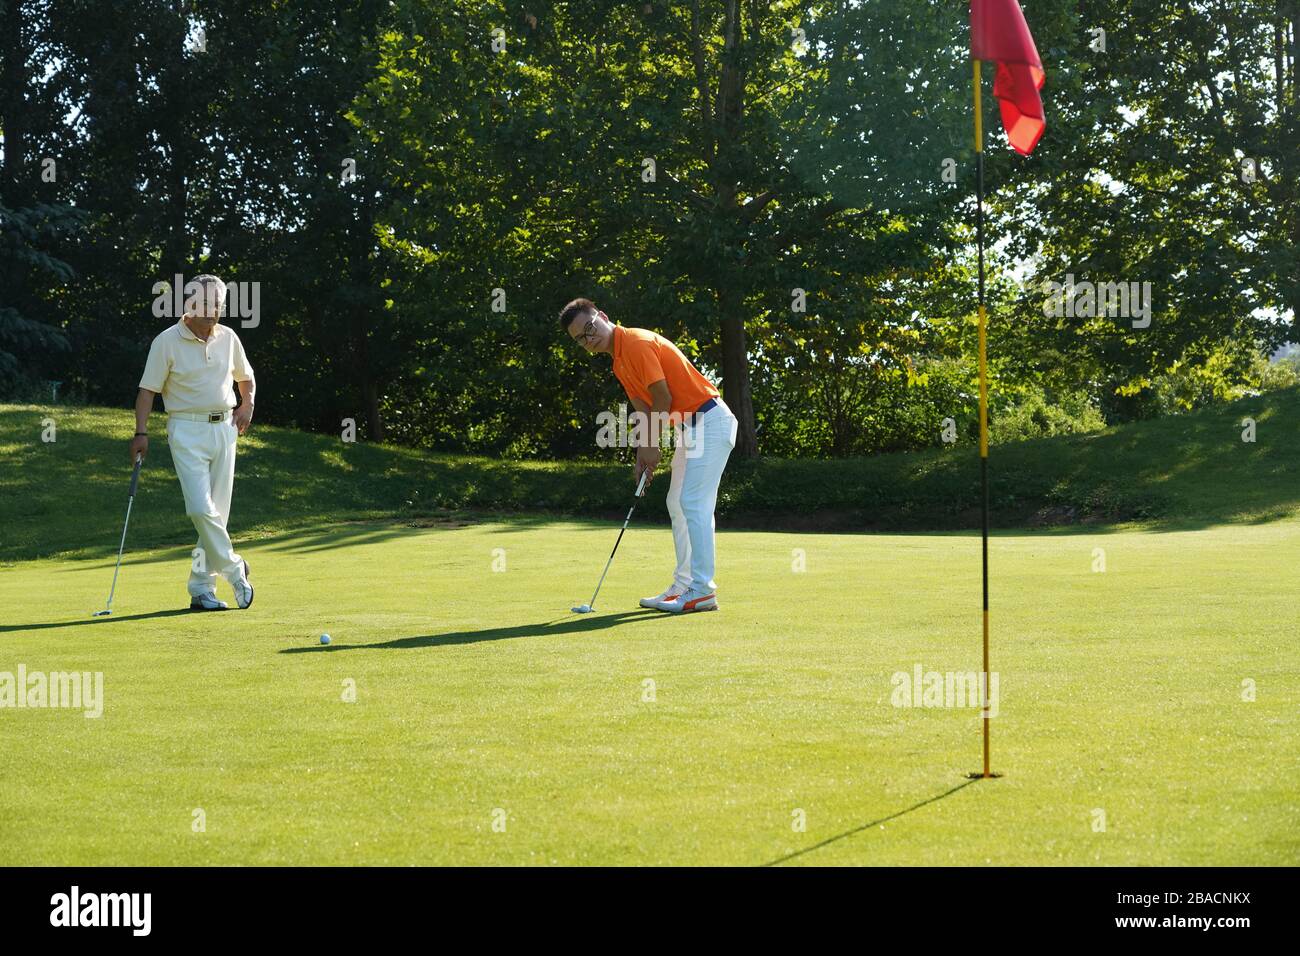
<point x="143" y="406"/>
<point x="647" y="453"/>
<point x="663" y="401"/>
<point x="244" y="413"/>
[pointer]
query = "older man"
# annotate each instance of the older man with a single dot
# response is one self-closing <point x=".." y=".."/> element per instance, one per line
<point x="193" y="365"/>
<point x="662" y="383"/>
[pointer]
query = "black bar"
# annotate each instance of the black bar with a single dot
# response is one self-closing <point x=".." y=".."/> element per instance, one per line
<point x="922" y="906"/>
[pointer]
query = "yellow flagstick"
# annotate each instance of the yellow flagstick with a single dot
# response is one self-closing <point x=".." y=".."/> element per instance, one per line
<point x="984" y="406"/>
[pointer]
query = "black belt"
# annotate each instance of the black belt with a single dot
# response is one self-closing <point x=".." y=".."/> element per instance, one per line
<point x="690" y="417"/>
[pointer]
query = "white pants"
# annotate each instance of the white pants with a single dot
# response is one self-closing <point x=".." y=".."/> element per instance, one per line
<point x="204" y="455"/>
<point x="701" y="454"/>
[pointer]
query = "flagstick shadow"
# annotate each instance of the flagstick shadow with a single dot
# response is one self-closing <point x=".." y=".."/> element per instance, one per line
<point x="866" y="826"/>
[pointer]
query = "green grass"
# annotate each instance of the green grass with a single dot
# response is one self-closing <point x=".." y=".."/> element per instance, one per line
<point x="65" y="496"/>
<point x="477" y="690"/>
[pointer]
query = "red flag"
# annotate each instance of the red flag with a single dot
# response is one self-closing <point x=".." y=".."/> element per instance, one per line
<point x="998" y="32"/>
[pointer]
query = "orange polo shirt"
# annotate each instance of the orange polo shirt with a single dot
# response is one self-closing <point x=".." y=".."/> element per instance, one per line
<point x="642" y="357"/>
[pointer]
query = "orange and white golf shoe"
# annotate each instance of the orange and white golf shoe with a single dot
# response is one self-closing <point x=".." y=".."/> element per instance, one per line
<point x="693" y="600"/>
<point x="667" y="596"/>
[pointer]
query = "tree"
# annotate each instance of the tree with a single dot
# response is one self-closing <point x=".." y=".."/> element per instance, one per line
<point x="1174" y="161"/>
<point x="33" y="227"/>
<point x="689" y="166"/>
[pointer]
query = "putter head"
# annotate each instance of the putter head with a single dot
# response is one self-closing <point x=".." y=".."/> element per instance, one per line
<point x="103" y="613"/>
<point x="582" y="609"/>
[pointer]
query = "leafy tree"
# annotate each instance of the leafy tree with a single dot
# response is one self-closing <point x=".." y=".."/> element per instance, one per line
<point x="34" y="227"/>
<point x="1172" y="160"/>
<point x="28" y="346"/>
<point x="797" y="156"/>
<point x="688" y="165"/>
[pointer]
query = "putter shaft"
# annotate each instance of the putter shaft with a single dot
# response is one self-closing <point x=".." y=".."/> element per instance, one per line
<point x="639" y="489"/>
<point x="130" y="500"/>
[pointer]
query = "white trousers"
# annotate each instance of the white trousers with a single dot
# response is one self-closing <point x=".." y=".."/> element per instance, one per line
<point x="204" y="455"/>
<point x="701" y="454"/>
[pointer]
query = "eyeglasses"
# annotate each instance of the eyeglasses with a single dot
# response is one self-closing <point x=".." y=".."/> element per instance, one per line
<point x="587" y="330"/>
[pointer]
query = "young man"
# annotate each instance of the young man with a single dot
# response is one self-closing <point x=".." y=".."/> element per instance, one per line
<point x="193" y="365"/>
<point x="662" y="384"/>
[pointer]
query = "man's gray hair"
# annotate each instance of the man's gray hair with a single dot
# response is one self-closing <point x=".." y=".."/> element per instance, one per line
<point x="207" y="280"/>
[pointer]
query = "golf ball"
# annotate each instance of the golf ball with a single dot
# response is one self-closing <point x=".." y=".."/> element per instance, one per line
<point x="324" y="638"/>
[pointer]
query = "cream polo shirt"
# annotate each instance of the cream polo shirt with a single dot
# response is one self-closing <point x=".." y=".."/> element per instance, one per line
<point x="194" y="375"/>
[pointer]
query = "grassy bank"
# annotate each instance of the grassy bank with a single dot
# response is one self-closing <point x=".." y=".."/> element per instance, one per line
<point x="67" y="495"/>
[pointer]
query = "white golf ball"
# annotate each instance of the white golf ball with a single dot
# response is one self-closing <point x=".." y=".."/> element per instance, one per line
<point x="324" y="638"/>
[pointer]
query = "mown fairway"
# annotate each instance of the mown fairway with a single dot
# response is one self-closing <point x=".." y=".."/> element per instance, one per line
<point x="477" y="690"/>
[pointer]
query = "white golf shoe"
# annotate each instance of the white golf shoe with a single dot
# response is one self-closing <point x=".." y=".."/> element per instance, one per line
<point x="693" y="600"/>
<point x="667" y="596"/>
<point x="243" y="588"/>
<point x="206" y="602"/>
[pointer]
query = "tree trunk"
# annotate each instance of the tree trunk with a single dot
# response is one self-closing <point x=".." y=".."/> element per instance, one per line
<point x="364" y="375"/>
<point x="727" y="117"/>
<point x="735" y="371"/>
<point x="176" y="247"/>
<point x="375" y="423"/>
<point x="175" y="129"/>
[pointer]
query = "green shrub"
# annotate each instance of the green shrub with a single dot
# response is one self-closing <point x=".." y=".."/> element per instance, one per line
<point x="1036" y="415"/>
<point x="1281" y="374"/>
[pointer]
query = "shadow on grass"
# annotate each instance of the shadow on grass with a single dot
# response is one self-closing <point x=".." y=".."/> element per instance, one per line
<point x="866" y="826"/>
<point x="341" y="533"/>
<point x="348" y="533"/>
<point x="573" y="624"/>
<point x="92" y="620"/>
<point x="285" y="480"/>
<point x="313" y="537"/>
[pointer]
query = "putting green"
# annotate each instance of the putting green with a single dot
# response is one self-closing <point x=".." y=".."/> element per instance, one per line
<point x="629" y="737"/>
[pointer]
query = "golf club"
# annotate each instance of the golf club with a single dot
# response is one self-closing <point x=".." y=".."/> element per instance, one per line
<point x="588" y="608"/>
<point x="130" y="500"/>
